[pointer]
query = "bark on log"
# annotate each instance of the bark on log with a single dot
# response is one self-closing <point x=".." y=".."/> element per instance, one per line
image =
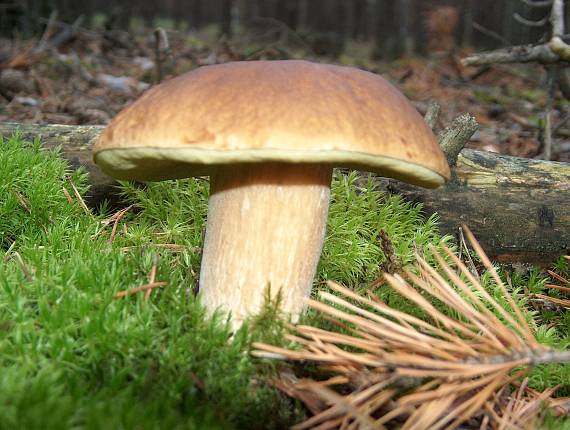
<point x="518" y="208"/>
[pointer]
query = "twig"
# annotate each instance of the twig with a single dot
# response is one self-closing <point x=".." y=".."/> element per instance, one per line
<point x="392" y="263"/>
<point x="462" y="246"/>
<point x="23" y="201"/>
<point x="33" y="54"/>
<point x="78" y="196"/>
<point x="48" y="30"/>
<point x="488" y="32"/>
<point x="557" y="43"/>
<point x="542" y="54"/>
<point x="152" y="275"/>
<point x="168" y="246"/>
<point x="7" y="254"/>
<point x="529" y="23"/>
<point x="432" y="114"/>
<point x="66" y="34"/>
<point x="544" y="3"/>
<point x="139" y="289"/>
<point x="558" y="287"/>
<point x="558" y="277"/>
<point x="67" y="195"/>
<point x="556" y="50"/>
<point x="557" y="18"/>
<point x="117" y="217"/>
<point x="551" y="79"/>
<point x="343" y="405"/>
<point x="16" y="256"/>
<point x="161" y="48"/>
<point x="560" y="302"/>
<point x="110" y="220"/>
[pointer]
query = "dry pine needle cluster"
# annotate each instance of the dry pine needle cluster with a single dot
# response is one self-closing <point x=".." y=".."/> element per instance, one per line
<point x="387" y="368"/>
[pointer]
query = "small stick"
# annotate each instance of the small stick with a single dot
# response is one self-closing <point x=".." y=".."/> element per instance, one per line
<point x="536" y="3"/>
<point x="117" y="217"/>
<point x="67" y="195"/>
<point x="558" y="277"/>
<point x="432" y="114"/>
<point x="551" y="80"/>
<point x="392" y="263"/>
<point x="522" y="20"/>
<point x="139" y="289"/>
<point x="556" y="50"/>
<point x="78" y="197"/>
<point x="558" y="287"/>
<point x="488" y="32"/>
<point x="7" y="255"/>
<point x="23" y="201"/>
<point x="23" y="266"/>
<point x="463" y="245"/>
<point x="48" y="30"/>
<point x="161" y="47"/>
<point x="168" y="246"/>
<point x="560" y="302"/>
<point x="151" y="276"/>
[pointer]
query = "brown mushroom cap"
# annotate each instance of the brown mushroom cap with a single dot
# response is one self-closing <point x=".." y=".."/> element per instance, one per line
<point x="278" y="111"/>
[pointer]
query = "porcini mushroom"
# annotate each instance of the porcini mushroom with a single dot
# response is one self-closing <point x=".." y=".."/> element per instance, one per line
<point x="268" y="133"/>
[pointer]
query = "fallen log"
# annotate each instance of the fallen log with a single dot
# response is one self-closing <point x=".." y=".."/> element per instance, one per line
<point x="518" y="208"/>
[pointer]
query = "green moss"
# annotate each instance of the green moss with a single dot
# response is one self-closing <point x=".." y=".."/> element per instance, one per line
<point x="73" y="355"/>
<point x="24" y="209"/>
<point x="352" y="253"/>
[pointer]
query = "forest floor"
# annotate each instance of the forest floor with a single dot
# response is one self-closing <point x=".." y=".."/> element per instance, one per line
<point x="90" y="75"/>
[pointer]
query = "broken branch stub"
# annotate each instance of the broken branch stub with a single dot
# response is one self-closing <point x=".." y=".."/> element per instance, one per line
<point x="454" y="138"/>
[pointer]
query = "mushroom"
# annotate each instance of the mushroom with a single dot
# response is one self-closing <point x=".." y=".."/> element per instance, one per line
<point x="268" y="133"/>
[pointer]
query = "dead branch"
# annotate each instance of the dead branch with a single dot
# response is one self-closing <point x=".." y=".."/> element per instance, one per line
<point x="557" y="18"/>
<point x="488" y="32"/>
<point x="542" y="54"/>
<point x="551" y="78"/>
<point x="139" y="289"/>
<point x="553" y="51"/>
<point x="34" y="54"/>
<point x="432" y="115"/>
<point x="544" y="3"/>
<point x="161" y="50"/>
<point x="529" y="23"/>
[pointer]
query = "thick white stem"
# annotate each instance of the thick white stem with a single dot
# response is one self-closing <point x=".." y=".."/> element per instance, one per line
<point x="266" y="226"/>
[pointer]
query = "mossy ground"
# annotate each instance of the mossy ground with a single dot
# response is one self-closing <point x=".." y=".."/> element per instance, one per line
<point x="72" y="355"/>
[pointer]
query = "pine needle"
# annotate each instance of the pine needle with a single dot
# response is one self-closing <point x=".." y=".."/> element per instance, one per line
<point x="78" y="196"/>
<point x="414" y="373"/>
<point x="139" y="289"/>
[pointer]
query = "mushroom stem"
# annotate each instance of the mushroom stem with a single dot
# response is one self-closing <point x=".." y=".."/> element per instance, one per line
<point x="266" y="227"/>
